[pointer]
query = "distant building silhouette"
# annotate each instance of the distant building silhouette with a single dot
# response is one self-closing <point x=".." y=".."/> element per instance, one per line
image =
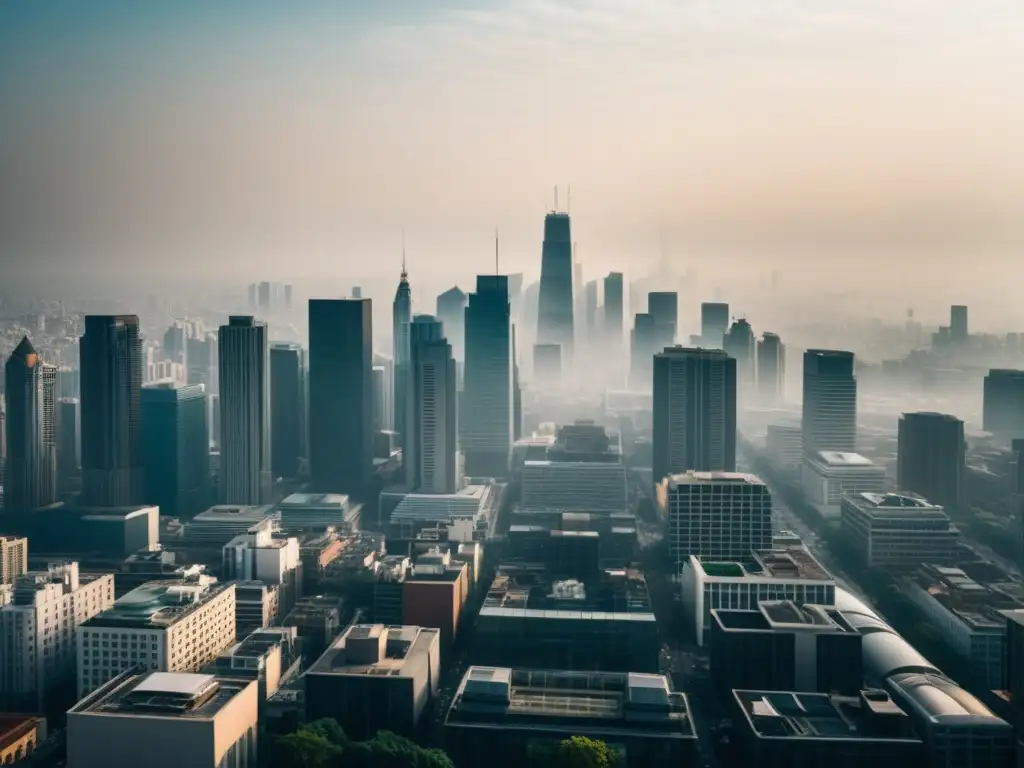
<point x="176" y="448"/>
<point x="829" y="402"/>
<point x="555" y="310"/>
<point x="401" y="315"/>
<point x="932" y="458"/>
<point x="1003" y="406"/>
<point x="288" y="412"/>
<point x="451" y="311"/>
<point x="613" y="313"/>
<point x="771" y="369"/>
<point x="714" y="322"/>
<point x="30" y="474"/>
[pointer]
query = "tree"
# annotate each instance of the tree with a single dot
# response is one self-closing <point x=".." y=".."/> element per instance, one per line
<point x="305" y="749"/>
<point x="581" y="752"/>
<point x="324" y="744"/>
<point x="330" y="730"/>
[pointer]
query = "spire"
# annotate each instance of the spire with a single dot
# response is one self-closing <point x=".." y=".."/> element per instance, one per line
<point x="26" y="352"/>
<point x="405" y="273"/>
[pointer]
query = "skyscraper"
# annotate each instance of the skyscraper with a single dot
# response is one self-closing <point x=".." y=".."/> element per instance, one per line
<point x="430" y="453"/>
<point x="175" y="448"/>
<point x="643" y="346"/>
<point x="771" y="369"/>
<point x="30" y="475"/>
<point x="383" y="392"/>
<point x="555" y="303"/>
<point x="714" y="322"/>
<point x="244" y="412"/>
<point x="613" y="308"/>
<point x="738" y="343"/>
<point x="932" y="457"/>
<point x="341" y="396"/>
<point x="1003" y="404"/>
<point x="112" y="364"/>
<point x="958" y="323"/>
<point x="590" y="310"/>
<point x="401" y="314"/>
<point x="487" y="427"/>
<point x="830" y="402"/>
<point x="69" y="447"/>
<point x="663" y="306"/>
<point x="287" y="409"/>
<point x="451" y="311"/>
<point x="694" y="411"/>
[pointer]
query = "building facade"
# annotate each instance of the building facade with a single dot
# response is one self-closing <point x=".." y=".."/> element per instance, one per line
<point x="176" y="448"/>
<point x="30" y="424"/>
<point x="829" y="402"/>
<point x="430" y="448"/>
<point x="932" y="457"/>
<point x="555" y="303"/>
<point x="288" y="413"/>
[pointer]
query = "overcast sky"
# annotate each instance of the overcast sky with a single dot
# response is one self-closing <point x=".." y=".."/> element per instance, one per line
<point x="298" y="139"/>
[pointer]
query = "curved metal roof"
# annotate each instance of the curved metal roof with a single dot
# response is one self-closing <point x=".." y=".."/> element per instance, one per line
<point x="940" y="700"/>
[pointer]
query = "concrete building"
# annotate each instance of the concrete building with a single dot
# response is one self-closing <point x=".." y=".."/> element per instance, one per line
<point x="175" y="448"/>
<point x="716" y="515"/>
<point x="472" y="509"/>
<point x="898" y="530"/>
<point x="318" y="512"/>
<point x="638" y="713"/>
<point x="221" y="523"/>
<point x="829" y="402"/>
<point x="260" y="555"/>
<point x="174" y="719"/>
<point x="791" y="573"/>
<point x="827" y="477"/>
<point x="694" y="411"/>
<point x="256" y="607"/>
<point x="38" y="631"/>
<point x="19" y="736"/>
<point x="375" y="678"/>
<point x="577" y="486"/>
<point x="288" y="410"/>
<point x="785" y="446"/>
<point x="430" y="450"/>
<point x="13" y="557"/>
<point x="245" y="476"/>
<point x="270" y="656"/>
<point x="30" y="424"/>
<point x="163" y="626"/>
<point x="932" y="458"/>
<point x="434" y="593"/>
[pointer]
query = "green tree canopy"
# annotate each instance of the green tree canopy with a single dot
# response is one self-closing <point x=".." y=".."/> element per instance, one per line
<point x="581" y="752"/>
<point x="324" y="744"/>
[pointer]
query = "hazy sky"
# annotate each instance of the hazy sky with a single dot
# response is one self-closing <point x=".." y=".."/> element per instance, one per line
<point x="299" y="138"/>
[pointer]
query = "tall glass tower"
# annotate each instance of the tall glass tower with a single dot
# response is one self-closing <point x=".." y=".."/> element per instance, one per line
<point x="401" y="314"/>
<point x="555" y="304"/>
<point x="30" y="479"/>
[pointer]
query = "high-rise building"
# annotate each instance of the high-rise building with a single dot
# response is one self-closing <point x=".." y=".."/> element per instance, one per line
<point x="263" y="292"/>
<point x="555" y="304"/>
<point x="547" y="364"/>
<point x="663" y="306"/>
<point x="112" y="364"/>
<point x="613" y="315"/>
<point x="714" y="322"/>
<point x="1003" y="406"/>
<point x="430" y="452"/>
<point x="487" y="426"/>
<point x="244" y="412"/>
<point x="830" y="402"/>
<point x="932" y="457"/>
<point x="694" y="411"/>
<point x="69" y="447"/>
<point x="517" y="391"/>
<point x="451" y="311"/>
<point x="13" y="557"/>
<point x="643" y="347"/>
<point x="738" y="343"/>
<point x="590" y="310"/>
<point x="958" y="324"/>
<point x="30" y="473"/>
<point x="176" y="448"/>
<point x="401" y="314"/>
<point x="341" y="395"/>
<point x="287" y="409"/>
<point x="383" y="392"/>
<point x="771" y="369"/>
<point x="287" y="297"/>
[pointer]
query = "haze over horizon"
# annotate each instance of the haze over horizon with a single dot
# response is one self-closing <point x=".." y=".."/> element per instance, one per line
<point x="145" y="140"/>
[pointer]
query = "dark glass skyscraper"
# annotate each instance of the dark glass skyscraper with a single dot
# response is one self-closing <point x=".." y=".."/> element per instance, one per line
<point x="430" y="453"/>
<point x="771" y="369"/>
<point x="401" y="314"/>
<point x="69" y="447"/>
<point x="112" y="365"/>
<point x="694" y="411"/>
<point x="176" y="448"/>
<point x="714" y="322"/>
<point x="739" y="343"/>
<point x="932" y="457"/>
<point x="30" y="479"/>
<point x="1003" y="405"/>
<point x="830" y="402"/>
<point x="613" y="314"/>
<point x="555" y="303"/>
<point x="341" y="396"/>
<point x="663" y="307"/>
<point x="287" y="409"/>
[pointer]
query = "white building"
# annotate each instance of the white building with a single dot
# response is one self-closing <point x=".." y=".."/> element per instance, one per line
<point x="894" y="529"/>
<point x="219" y="524"/>
<point x="785" y="446"/>
<point x="166" y="626"/>
<point x="716" y="515"/>
<point x="577" y="486"/>
<point x="166" y="720"/>
<point x="38" y="629"/>
<point x="779" y="574"/>
<point x="461" y="513"/>
<point x="261" y="555"/>
<point x="318" y="512"/>
<point x="828" y="476"/>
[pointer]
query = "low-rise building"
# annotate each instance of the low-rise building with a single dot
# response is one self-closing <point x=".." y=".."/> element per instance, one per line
<point x="270" y="656"/>
<point x="896" y="530"/>
<point x="434" y="593"/>
<point x="19" y="736"/>
<point x="261" y="555"/>
<point x="526" y="710"/>
<point x="784" y="445"/>
<point x="172" y="719"/>
<point x="256" y="606"/>
<point x="375" y="678"/>
<point x="583" y="486"/>
<point x="461" y="513"/>
<point x="13" y="557"/>
<point x="306" y="512"/>
<point x="829" y="476"/>
<point x="221" y="523"/>
<point x="102" y="532"/>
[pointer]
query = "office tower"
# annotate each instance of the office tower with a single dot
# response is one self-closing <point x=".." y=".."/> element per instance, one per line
<point x="69" y="477"/>
<point x="38" y="631"/>
<point x="264" y="296"/>
<point x="613" y="315"/>
<point x="287" y="409"/>
<point x="287" y="297"/>
<point x="3" y="440"/>
<point x="112" y="364"/>
<point x="357" y="292"/>
<point x="515" y="294"/>
<point x="771" y="369"/>
<point x="386" y="399"/>
<point x="430" y="452"/>
<point x="547" y="364"/>
<point x="244" y="412"/>
<point x="213" y="419"/>
<point x="738" y="343"/>
<point x="643" y="346"/>
<point x="13" y="557"/>
<point x="694" y="411"/>
<point x="958" y="332"/>
<point x="590" y="310"/>
<point x="381" y="398"/>
<point x="663" y="306"/>
<point x="401" y="314"/>
<point x="451" y="311"/>
<point x="555" y="303"/>
<point x="717" y="516"/>
<point x="201" y="361"/>
<point x="829" y="402"/>
<point x="30" y="474"/>
<point x="517" y="393"/>
<point x="341" y="396"/>
<point x="174" y="343"/>
<point x="176" y="448"/>
<point x="932" y="458"/>
<point x="1003" y="405"/>
<point x="253" y="293"/>
<point x="487" y="428"/>
<point x="714" y="322"/>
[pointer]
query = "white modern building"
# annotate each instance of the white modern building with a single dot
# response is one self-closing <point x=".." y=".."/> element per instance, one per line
<point x="261" y="555"/>
<point x="166" y="720"/>
<point x="716" y="515"/>
<point x="576" y="486"/>
<point x="166" y="626"/>
<point x="784" y="445"/>
<point x="828" y="476"/>
<point x="38" y="630"/>
<point x="219" y="524"/>
<point x="461" y="513"/>
<point x="898" y="530"/>
<point x="777" y="574"/>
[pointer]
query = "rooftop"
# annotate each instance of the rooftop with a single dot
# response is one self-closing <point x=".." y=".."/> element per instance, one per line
<point x="790" y="563"/>
<point x="233" y="513"/>
<point x="376" y="649"/>
<point x="840" y="459"/>
<point x="979" y="606"/>
<point x="782" y="615"/>
<point x="157" y="604"/>
<point x="719" y="478"/>
<point x="315" y="500"/>
<point x="162" y="694"/>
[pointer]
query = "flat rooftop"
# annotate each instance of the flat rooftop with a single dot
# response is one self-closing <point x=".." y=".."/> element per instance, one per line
<point x="157" y="604"/>
<point x="774" y="615"/>
<point x="841" y="459"/>
<point x="717" y="478"/>
<point x="223" y="513"/>
<point x="163" y="694"/>
<point x="591" y="702"/>
<point x="376" y="650"/>
<point x="979" y="606"/>
<point x="315" y="500"/>
<point x="790" y="563"/>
